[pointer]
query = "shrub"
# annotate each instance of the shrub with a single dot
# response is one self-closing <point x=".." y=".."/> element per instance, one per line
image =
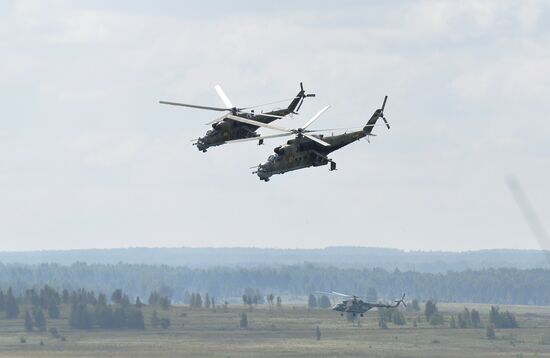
<point x="324" y="302"/>
<point x="28" y="322"/>
<point x="397" y="317"/>
<point x="502" y="319"/>
<point x="476" y="320"/>
<point x="244" y="321"/>
<point x="436" y="319"/>
<point x="452" y="323"/>
<point x="430" y="309"/>
<point x="53" y="331"/>
<point x="155" y="321"/>
<point x="312" y="302"/>
<point x="490" y="331"/>
<point x="165" y="323"/>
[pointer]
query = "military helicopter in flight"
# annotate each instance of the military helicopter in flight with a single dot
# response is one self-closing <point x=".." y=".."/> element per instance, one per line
<point x="306" y="149"/>
<point x="225" y="128"/>
<point x="355" y="306"/>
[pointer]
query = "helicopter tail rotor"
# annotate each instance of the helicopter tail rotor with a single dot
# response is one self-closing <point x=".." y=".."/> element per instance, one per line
<point x="382" y="112"/>
<point x="379" y="113"/>
<point x="301" y="96"/>
<point x="401" y="301"/>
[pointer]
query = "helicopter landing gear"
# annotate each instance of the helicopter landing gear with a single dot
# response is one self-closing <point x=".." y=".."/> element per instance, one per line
<point x="332" y="166"/>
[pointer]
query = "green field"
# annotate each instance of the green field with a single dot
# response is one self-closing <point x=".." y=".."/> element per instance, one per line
<point x="286" y="332"/>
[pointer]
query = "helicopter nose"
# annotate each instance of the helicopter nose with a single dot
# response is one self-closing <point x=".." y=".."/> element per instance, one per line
<point x="263" y="172"/>
<point x="201" y="145"/>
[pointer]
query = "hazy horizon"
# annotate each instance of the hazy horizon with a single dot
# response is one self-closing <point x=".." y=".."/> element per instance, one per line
<point x="275" y="248"/>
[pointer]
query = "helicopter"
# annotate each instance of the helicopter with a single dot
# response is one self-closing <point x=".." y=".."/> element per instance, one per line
<point x="355" y="306"/>
<point x="307" y="150"/>
<point x="225" y="128"/>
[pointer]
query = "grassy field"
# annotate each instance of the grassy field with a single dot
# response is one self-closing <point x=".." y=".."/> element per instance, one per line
<point x="286" y="332"/>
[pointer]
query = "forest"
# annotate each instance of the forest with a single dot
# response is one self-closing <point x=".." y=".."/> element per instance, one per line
<point x="495" y="286"/>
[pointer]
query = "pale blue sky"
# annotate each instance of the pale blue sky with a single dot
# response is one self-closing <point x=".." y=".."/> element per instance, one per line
<point x="88" y="158"/>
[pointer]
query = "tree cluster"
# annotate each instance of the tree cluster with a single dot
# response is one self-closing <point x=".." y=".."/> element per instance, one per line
<point x="502" y="319"/>
<point x="251" y="296"/>
<point x="432" y="313"/>
<point x="9" y="304"/>
<point x="157" y="298"/>
<point x="106" y="317"/>
<point x="466" y="319"/>
<point x="36" y="320"/>
<point x="390" y="315"/>
<point x="156" y="321"/>
<point x="89" y="311"/>
<point x="196" y="300"/>
<point x="318" y="302"/>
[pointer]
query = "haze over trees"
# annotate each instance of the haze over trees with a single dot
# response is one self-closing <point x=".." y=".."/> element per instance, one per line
<point x="496" y="286"/>
<point x="342" y="257"/>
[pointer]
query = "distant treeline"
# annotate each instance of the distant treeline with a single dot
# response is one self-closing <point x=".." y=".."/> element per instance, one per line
<point x="343" y="257"/>
<point x="504" y="285"/>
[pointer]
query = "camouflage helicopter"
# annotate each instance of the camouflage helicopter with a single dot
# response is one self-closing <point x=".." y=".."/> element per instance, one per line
<point x="356" y="306"/>
<point x="225" y="128"/>
<point x="307" y="150"/>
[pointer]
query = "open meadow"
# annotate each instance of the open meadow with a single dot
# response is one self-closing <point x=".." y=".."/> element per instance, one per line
<point x="289" y="331"/>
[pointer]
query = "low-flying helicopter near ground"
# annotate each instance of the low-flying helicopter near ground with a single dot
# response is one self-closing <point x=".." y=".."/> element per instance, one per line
<point x="226" y="128"/>
<point x="356" y="306"/>
<point x="306" y="150"/>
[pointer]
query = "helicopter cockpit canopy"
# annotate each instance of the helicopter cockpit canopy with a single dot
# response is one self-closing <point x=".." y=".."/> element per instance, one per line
<point x="274" y="157"/>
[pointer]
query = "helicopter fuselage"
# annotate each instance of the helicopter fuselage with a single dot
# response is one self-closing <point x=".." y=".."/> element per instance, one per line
<point x="303" y="152"/>
<point x="353" y="306"/>
<point x="229" y="129"/>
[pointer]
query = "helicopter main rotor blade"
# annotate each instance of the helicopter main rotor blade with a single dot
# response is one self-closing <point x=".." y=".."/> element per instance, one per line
<point x="331" y="129"/>
<point x="252" y="114"/>
<point x="260" y="114"/>
<point x="194" y="106"/>
<point x="258" y="124"/>
<point x="323" y="293"/>
<point x="315" y="139"/>
<point x="219" y="119"/>
<point x="314" y="118"/>
<point x="258" y="138"/>
<point x="340" y="294"/>
<point x="269" y="103"/>
<point x="224" y="98"/>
